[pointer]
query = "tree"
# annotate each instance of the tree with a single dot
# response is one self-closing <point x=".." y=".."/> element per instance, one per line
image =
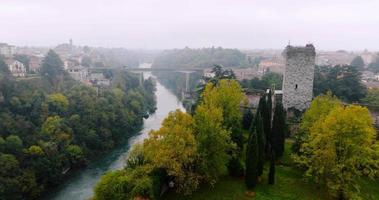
<point x="252" y="159"/>
<point x="374" y="65"/>
<point x="13" y="145"/>
<point x="55" y="128"/>
<point x="271" y="172"/>
<point x="258" y="126"/>
<point x="247" y="119"/>
<point x="227" y="96"/>
<point x="4" y="69"/>
<point x="279" y="129"/>
<point x="319" y="109"/>
<point x="173" y="148"/>
<point x="358" y="62"/>
<point x="125" y="184"/>
<point x="52" y="68"/>
<point x="340" y="148"/>
<point x="58" y="103"/>
<point x="372" y="99"/>
<point x="213" y="142"/>
<point x="343" y="81"/>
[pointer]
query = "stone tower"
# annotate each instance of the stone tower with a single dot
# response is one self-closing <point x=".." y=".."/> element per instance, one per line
<point x="298" y="76"/>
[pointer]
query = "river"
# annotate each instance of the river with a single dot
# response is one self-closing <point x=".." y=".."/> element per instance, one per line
<point x="80" y="185"/>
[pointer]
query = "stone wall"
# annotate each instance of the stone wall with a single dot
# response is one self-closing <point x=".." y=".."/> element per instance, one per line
<point x="298" y="76"/>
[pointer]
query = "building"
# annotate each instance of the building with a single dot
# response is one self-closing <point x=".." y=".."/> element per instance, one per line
<point x="6" y="50"/>
<point x="246" y="73"/>
<point x="78" y="73"/>
<point x="274" y="64"/>
<point x="298" y="76"/>
<point x="16" y="67"/>
<point x="35" y="63"/>
<point x="98" y="79"/>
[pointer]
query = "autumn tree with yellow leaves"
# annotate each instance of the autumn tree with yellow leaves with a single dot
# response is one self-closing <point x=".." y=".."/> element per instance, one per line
<point x="338" y="146"/>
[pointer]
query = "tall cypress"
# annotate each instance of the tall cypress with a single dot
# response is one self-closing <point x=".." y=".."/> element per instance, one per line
<point x="271" y="173"/>
<point x="268" y="117"/>
<point x="251" y="161"/>
<point x="278" y="130"/>
<point x="258" y="125"/>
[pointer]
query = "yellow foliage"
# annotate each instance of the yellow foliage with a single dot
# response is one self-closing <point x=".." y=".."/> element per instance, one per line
<point x="173" y="148"/>
<point x="340" y="147"/>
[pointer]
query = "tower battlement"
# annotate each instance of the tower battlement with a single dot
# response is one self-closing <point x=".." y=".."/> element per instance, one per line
<point x="298" y="76"/>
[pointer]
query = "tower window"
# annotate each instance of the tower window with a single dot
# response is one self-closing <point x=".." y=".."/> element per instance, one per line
<point x="296" y="87"/>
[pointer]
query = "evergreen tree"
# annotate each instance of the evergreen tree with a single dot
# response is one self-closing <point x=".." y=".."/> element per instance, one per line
<point x="258" y="125"/>
<point x="251" y="161"/>
<point x="358" y="62"/>
<point x="278" y="130"/>
<point x="268" y="117"/>
<point x="247" y="119"/>
<point x="271" y="173"/>
<point x="52" y="68"/>
<point x="3" y="67"/>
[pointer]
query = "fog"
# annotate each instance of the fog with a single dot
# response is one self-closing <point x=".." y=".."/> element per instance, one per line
<point x="161" y="24"/>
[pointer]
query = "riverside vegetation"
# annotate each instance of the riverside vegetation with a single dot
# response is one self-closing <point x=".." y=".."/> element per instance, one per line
<point x="204" y="155"/>
<point x="51" y="125"/>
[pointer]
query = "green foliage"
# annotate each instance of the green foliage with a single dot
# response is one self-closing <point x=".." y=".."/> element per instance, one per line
<point x="13" y="145"/>
<point x="50" y="128"/>
<point x="252" y="160"/>
<point x="358" y="62"/>
<point x="213" y="142"/>
<point x="247" y="119"/>
<point x="271" y="172"/>
<point x="4" y="70"/>
<point x="340" y="146"/>
<point x="52" y="68"/>
<point x="258" y="126"/>
<point x="374" y="65"/>
<point x="173" y="148"/>
<point x="319" y="109"/>
<point x="57" y="102"/>
<point x="267" y="81"/>
<point x="75" y="153"/>
<point x="279" y="129"/>
<point x="372" y="99"/>
<point x="342" y="81"/>
<point x="200" y="58"/>
<point x="227" y="95"/>
<point x="35" y="150"/>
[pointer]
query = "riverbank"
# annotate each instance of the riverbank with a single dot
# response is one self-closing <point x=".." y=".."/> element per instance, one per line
<point x="80" y="185"/>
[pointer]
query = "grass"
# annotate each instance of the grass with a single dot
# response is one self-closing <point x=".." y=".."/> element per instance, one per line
<point x="289" y="185"/>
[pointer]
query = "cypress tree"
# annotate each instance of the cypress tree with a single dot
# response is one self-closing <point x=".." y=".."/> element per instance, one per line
<point x="271" y="173"/>
<point x="251" y="161"/>
<point x="278" y="130"/>
<point x="247" y="119"/>
<point x="258" y="125"/>
<point x="268" y="117"/>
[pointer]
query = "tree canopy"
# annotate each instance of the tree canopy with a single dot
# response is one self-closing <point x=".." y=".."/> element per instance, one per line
<point x="343" y="81"/>
<point x="340" y="146"/>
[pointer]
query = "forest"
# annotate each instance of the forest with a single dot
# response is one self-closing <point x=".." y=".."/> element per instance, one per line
<point x="51" y="125"/>
<point x="200" y="58"/>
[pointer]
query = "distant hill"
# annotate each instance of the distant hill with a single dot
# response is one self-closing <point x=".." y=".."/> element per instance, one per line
<point x="200" y="58"/>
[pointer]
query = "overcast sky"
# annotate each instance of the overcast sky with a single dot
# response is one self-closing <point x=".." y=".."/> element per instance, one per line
<point x="157" y="24"/>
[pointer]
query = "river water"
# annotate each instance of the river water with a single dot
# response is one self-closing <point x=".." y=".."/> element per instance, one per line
<point x="80" y="185"/>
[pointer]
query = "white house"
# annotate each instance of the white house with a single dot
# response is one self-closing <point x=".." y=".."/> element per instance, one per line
<point x="16" y="67"/>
